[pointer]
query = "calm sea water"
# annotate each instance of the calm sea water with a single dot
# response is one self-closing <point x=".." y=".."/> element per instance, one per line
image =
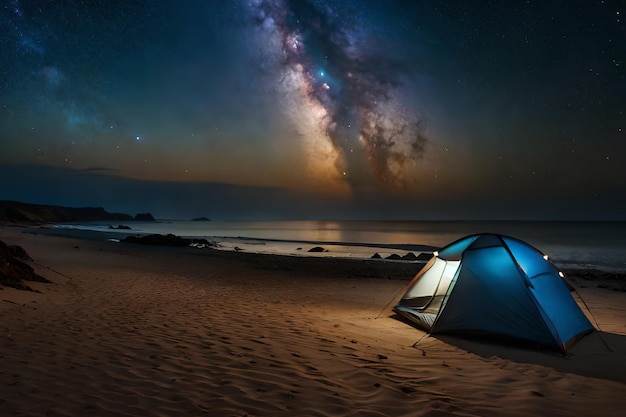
<point x="597" y="244"/>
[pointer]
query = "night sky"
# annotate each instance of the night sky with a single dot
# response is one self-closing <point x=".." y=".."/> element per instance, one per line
<point x="316" y="108"/>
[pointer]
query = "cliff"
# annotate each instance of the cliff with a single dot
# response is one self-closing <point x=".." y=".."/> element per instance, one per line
<point x="14" y="211"/>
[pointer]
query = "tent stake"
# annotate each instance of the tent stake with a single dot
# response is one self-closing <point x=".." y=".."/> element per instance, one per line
<point x="414" y="345"/>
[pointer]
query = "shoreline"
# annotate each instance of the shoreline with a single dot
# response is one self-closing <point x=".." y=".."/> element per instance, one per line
<point x="582" y="274"/>
<point x="234" y="243"/>
<point x="303" y="261"/>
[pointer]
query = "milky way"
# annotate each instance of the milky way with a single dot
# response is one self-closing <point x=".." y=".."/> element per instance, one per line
<point x="345" y="91"/>
<point x="411" y="104"/>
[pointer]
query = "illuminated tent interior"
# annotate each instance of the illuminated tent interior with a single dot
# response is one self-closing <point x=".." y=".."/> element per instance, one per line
<point x="489" y="284"/>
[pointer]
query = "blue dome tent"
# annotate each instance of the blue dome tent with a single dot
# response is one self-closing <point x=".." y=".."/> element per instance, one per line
<point x="495" y="285"/>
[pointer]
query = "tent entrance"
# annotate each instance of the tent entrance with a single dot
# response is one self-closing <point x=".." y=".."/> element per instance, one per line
<point x="425" y="294"/>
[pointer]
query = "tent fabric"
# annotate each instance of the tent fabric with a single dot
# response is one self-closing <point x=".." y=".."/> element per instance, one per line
<point x="498" y="285"/>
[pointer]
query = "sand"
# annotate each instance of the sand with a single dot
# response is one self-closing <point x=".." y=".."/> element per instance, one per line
<point x="137" y="331"/>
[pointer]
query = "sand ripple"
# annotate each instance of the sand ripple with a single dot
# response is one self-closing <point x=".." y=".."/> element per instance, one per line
<point x="151" y="333"/>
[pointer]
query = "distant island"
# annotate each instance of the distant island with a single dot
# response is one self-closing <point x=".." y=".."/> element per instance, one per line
<point x="201" y="219"/>
<point x="144" y="217"/>
<point x="16" y="212"/>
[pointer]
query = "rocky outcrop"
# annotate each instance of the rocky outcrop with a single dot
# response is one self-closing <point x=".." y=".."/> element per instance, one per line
<point x="15" y="211"/>
<point x="14" y="270"/>
<point x="144" y="217"/>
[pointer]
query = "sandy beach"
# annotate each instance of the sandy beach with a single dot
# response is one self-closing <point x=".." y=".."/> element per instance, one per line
<point x="128" y="330"/>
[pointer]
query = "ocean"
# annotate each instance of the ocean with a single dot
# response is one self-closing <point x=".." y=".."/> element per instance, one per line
<point x="587" y="244"/>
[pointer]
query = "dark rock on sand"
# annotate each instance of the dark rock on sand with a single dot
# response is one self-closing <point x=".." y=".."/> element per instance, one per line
<point x="19" y="253"/>
<point x="318" y="249"/>
<point x="165" y="240"/>
<point x="120" y="227"/>
<point x="409" y="257"/>
<point x="376" y="256"/>
<point x="394" y="256"/>
<point x="424" y="256"/>
<point x="13" y="270"/>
